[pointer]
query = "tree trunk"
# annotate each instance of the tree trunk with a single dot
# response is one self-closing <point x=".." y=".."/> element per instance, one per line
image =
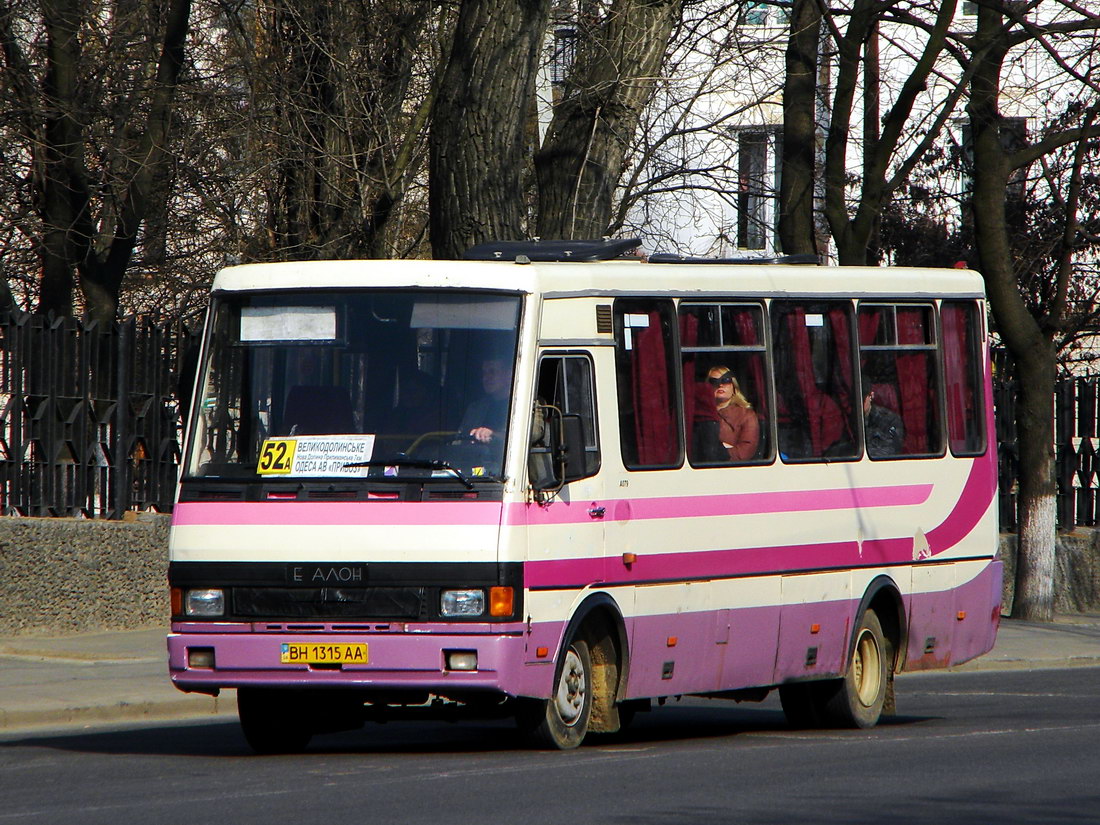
<point x="1037" y="499"/>
<point x="101" y="275"/>
<point x="796" y="188"/>
<point x="66" y="229"/>
<point x="851" y="250"/>
<point x="476" y="141"/>
<point x="1031" y="349"/>
<point x="581" y="161"/>
<point x="871" y="113"/>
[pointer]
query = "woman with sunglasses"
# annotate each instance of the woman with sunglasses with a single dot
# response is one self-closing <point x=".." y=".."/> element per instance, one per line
<point x="739" y="428"/>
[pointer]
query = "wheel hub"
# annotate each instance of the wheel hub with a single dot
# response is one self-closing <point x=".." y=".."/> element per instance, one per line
<point x="571" y="689"/>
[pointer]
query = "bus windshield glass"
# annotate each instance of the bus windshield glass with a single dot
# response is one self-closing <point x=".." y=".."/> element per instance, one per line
<point x="412" y="384"/>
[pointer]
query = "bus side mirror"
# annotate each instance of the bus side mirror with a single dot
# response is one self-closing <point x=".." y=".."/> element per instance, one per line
<point x="556" y="455"/>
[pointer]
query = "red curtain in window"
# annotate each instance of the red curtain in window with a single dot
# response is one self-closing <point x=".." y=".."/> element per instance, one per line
<point x="653" y="421"/>
<point x="689" y="335"/>
<point x="748" y="334"/>
<point x="868" y="328"/>
<point x="824" y="419"/>
<point x="913" y="380"/>
<point x="842" y="342"/>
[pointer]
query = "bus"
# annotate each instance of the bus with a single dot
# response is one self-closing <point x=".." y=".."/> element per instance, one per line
<point x="559" y="482"/>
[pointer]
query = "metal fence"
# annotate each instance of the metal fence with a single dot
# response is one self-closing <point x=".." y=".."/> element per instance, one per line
<point x="89" y="415"/>
<point x="1077" y="451"/>
<point x="90" y="422"/>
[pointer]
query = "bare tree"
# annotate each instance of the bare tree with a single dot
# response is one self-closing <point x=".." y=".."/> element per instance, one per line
<point x="890" y="155"/>
<point x="620" y="49"/>
<point x="480" y="123"/>
<point x="1027" y="336"/>
<point x="682" y="185"/>
<point x="335" y="121"/>
<point x="91" y="90"/>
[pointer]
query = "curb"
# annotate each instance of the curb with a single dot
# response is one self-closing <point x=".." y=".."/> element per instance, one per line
<point x="1022" y="664"/>
<point x="184" y="708"/>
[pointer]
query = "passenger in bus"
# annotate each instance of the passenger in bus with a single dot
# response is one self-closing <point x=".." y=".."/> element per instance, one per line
<point x="487" y="417"/>
<point x="739" y="428"/>
<point x="706" y="443"/>
<point x="883" y="428"/>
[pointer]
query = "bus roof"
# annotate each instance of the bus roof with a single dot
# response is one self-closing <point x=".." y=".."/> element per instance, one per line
<point x="610" y="278"/>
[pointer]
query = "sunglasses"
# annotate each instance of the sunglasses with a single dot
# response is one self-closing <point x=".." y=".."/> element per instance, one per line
<point x="717" y="382"/>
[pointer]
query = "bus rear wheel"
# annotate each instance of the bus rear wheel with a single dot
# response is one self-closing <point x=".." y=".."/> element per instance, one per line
<point x="272" y="721"/>
<point x="856" y="701"/>
<point x="561" y="721"/>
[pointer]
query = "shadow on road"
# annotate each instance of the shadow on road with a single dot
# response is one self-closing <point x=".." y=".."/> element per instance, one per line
<point x="694" y="719"/>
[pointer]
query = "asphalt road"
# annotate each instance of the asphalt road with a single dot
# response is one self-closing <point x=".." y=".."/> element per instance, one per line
<point x="982" y="747"/>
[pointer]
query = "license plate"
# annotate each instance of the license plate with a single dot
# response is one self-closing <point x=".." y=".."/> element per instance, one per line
<point x="323" y="654"/>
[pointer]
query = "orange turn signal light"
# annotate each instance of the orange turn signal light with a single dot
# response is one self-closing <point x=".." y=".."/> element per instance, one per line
<point x="176" y="601"/>
<point x="501" y="601"/>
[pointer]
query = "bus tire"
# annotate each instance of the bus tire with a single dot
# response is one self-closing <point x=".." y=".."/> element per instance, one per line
<point x="856" y="701"/>
<point x="272" y="721"/>
<point x="561" y="722"/>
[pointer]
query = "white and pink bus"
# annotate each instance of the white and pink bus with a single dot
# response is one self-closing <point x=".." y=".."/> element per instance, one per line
<point x="558" y="483"/>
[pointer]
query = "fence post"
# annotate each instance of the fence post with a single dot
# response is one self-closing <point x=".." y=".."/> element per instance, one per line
<point x="120" y="498"/>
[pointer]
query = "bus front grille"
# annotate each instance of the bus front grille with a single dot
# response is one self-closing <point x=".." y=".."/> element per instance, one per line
<point x="329" y="602"/>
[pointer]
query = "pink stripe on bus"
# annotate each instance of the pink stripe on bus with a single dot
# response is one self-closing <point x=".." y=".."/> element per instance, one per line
<point x="338" y="513"/>
<point x="974" y="501"/>
<point x="693" y="565"/>
<point x="732" y="504"/>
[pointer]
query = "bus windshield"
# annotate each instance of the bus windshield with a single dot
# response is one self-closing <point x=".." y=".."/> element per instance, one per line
<point x="376" y="384"/>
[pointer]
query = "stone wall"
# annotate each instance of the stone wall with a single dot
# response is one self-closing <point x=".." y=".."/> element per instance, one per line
<point x="1076" y="574"/>
<point x="61" y="576"/>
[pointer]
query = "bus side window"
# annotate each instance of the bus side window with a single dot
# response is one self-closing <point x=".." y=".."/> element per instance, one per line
<point x="649" y="422"/>
<point x="899" y="380"/>
<point x="724" y="343"/>
<point x="816" y="394"/>
<point x="962" y="355"/>
<point x="565" y="382"/>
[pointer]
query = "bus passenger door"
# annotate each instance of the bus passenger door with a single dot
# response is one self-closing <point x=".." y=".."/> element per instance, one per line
<point x="565" y="543"/>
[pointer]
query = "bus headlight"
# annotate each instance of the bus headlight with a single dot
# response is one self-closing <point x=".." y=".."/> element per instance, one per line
<point x="454" y="603"/>
<point x="208" y="602"/>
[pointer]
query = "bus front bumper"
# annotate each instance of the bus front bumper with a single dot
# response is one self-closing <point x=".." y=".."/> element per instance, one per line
<point x="207" y="658"/>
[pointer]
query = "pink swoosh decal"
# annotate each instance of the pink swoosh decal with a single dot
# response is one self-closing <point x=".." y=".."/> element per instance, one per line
<point x="980" y="488"/>
<point x="974" y="501"/>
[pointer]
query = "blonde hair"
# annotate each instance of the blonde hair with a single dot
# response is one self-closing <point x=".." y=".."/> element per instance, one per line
<point x="738" y="397"/>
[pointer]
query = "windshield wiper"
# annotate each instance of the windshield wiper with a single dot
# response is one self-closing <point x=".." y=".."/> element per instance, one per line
<point x="423" y="464"/>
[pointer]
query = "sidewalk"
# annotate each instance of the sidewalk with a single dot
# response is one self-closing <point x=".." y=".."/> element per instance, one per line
<point x="89" y="678"/>
<point x="124" y="676"/>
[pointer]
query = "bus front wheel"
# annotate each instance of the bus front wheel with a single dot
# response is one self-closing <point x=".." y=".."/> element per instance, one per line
<point x="272" y="721"/>
<point x="561" y="721"/>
